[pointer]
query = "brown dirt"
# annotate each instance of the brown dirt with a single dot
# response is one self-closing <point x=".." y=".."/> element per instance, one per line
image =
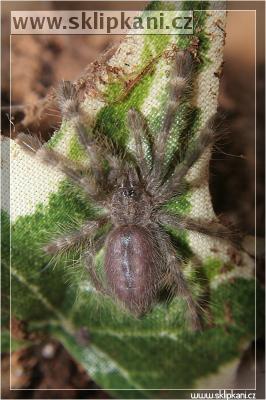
<point x="46" y="366"/>
<point x="35" y="72"/>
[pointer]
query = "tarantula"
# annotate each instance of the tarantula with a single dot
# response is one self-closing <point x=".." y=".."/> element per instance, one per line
<point x="140" y="258"/>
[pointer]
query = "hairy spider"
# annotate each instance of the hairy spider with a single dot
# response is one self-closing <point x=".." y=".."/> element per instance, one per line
<point x="140" y="258"/>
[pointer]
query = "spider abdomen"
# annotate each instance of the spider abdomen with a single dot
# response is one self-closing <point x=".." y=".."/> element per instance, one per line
<point x="130" y="267"/>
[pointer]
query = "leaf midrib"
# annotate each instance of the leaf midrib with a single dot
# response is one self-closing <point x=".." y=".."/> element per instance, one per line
<point x="65" y="324"/>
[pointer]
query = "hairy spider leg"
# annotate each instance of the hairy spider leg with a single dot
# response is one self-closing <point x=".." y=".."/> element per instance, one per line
<point x="89" y="261"/>
<point x="97" y="148"/>
<point x="76" y="238"/>
<point x="52" y="158"/>
<point x="178" y="83"/>
<point x="195" y="150"/>
<point x="210" y="228"/>
<point x="175" y="281"/>
<point x="69" y="104"/>
<point x="138" y="128"/>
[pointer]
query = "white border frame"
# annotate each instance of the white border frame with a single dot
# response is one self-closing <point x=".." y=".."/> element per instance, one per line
<point x="255" y="114"/>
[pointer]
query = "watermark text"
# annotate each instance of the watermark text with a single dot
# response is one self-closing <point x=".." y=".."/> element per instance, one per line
<point x="101" y="22"/>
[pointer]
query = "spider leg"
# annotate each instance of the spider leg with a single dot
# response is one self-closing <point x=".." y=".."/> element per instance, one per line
<point x="138" y="128"/>
<point x="175" y="280"/>
<point x="96" y="280"/>
<point x="89" y="259"/>
<point x="213" y="228"/>
<point x="195" y="150"/>
<point x="52" y="158"/>
<point x="178" y="83"/>
<point x="96" y="148"/>
<point x="180" y="288"/>
<point x="76" y="238"/>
